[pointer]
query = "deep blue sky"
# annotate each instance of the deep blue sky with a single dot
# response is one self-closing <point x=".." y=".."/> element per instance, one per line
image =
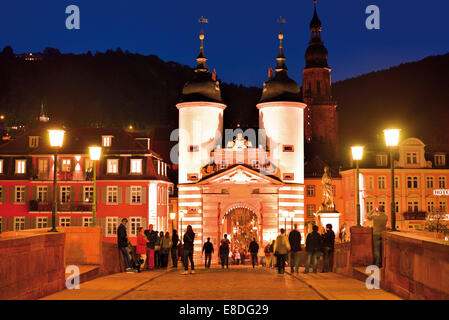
<point x="241" y="37"/>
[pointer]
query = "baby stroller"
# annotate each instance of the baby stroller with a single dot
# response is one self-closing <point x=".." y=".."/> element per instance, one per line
<point x="136" y="262"/>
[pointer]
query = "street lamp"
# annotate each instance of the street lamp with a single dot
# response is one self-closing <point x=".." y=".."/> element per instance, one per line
<point x="181" y="215"/>
<point x="172" y="218"/>
<point x="285" y="214"/>
<point x="56" y="139"/>
<point x="95" y="154"/>
<point x="291" y="215"/>
<point x="357" y="154"/>
<point x="391" y="141"/>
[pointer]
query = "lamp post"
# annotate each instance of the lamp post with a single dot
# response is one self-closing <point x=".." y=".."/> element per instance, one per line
<point x="285" y="214"/>
<point x="391" y="141"/>
<point x="172" y="218"/>
<point x="56" y="139"/>
<point x="357" y="154"/>
<point x="181" y="215"/>
<point x="292" y="215"/>
<point x="95" y="154"/>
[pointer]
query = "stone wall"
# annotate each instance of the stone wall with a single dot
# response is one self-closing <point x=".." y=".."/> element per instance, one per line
<point x="32" y="265"/>
<point x="342" y="258"/>
<point x="111" y="259"/>
<point x="416" y="267"/>
<point x="83" y="245"/>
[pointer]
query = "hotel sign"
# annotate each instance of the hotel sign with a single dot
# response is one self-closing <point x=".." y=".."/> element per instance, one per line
<point x="441" y="192"/>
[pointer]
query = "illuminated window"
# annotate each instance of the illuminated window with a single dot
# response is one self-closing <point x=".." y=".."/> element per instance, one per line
<point x="66" y="165"/>
<point x="87" y="221"/>
<point x="1" y="166"/>
<point x="412" y="157"/>
<point x="64" y="194"/>
<point x="42" y="194"/>
<point x="381" y="160"/>
<point x="310" y="190"/>
<point x="111" y="226"/>
<point x="429" y="182"/>
<point x="88" y="194"/>
<point x="136" y="195"/>
<point x="19" y="223"/>
<point x="288" y="148"/>
<point x="106" y="141"/>
<point x="441" y="182"/>
<point x="64" y="221"/>
<point x="19" y="194"/>
<point x="42" y="166"/>
<point x="136" y="166"/>
<point x="412" y="182"/>
<point x="33" y="141"/>
<point x="112" y="166"/>
<point x="21" y="166"/>
<point x="310" y="210"/>
<point x="381" y="183"/>
<point x="412" y="206"/>
<point x="440" y="159"/>
<point x="41" y="222"/>
<point x="112" y="195"/>
<point x="134" y="224"/>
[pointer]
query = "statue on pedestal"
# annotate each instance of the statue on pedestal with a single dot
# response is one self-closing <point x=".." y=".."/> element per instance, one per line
<point x="328" y="197"/>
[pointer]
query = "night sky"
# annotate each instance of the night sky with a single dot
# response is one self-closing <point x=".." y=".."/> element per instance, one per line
<point x="241" y="37"/>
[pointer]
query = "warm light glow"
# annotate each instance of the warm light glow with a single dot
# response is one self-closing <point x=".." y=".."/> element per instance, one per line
<point x="181" y="214"/>
<point x="172" y="216"/>
<point x="95" y="153"/>
<point x="357" y="152"/>
<point x="291" y="214"/>
<point x="2" y="117"/>
<point x="56" y="137"/>
<point x="285" y="213"/>
<point x="391" y="137"/>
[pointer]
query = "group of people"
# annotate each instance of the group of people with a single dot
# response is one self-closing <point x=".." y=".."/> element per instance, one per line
<point x="154" y="248"/>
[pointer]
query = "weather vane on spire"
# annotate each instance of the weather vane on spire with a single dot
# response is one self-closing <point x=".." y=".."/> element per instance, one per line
<point x="281" y="21"/>
<point x="202" y="20"/>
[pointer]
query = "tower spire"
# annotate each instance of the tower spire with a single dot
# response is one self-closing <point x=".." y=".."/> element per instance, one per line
<point x="280" y="66"/>
<point x="42" y="116"/>
<point x="201" y="59"/>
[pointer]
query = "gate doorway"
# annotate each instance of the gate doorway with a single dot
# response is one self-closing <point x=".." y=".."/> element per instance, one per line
<point x="241" y="225"/>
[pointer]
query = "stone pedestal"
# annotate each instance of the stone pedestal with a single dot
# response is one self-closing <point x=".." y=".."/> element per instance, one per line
<point x="330" y="217"/>
<point x="362" y="253"/>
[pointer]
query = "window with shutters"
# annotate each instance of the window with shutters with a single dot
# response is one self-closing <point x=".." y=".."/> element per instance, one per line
<point x="21" y="166"/>
<point x="65" y="221"/>
<point x="88" y="194"/>
<point x="33" y="141"/>
<point x="430" y="206"/>
<point x="136" y="166"/>
<point x="112" y="166"/>
<point x="111" y="226"/>
<point x="134" y="224"/>
<point x="42" y="169"/>
<point x="42" y="194"/>
<point x="41" y="222"/>
<point x="19" y="223"/>
<point x="310" y="210"/>
<point x="66" y="165"/>
<point x="442" y="206"/>
<point x="19" y="194"/>
<point x="1" y="195"/>
<point x="64" y="196"/>
<point x="112" y="195"/>
<point x="87" y="222"/>
<point x="136" y="195"/>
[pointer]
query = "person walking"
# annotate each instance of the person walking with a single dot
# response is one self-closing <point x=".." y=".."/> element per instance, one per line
<point x="188" y="239"/>
<point x="313" y="248"/>
<point x="281" y="249"/>
<point x="157" y="249"/>
<point x="208" y="250"/>
<point x="141" y="247"/>
<point x="122" y="242"/>
<point x="273" y="256"/>
<point x="254" y="250"/>
<point x="166" y="244"/>
<point x="328" y="248"/>
<point x="379" y="219"/>
<point x="294" y="238"/>
<point x="224" y="253"/>
<point x="243" y="256"/>
<point x="262" y="256"/>
<point x="237" y="256"/>
<point x="268" y="255"/>
<point x="152" y="237"/>
<point x="174" y="248"/>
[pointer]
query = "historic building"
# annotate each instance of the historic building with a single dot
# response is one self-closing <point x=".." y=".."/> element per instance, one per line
<point x="131" y="181"/>
<point x="321" y="119"/>
<point x="418" y="173"/>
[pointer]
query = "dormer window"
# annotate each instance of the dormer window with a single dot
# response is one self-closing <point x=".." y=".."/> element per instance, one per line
<point x="66" y="165"/>
<point x="412" y="157"/>
<point x="1" y="165"/>
<point x="136" y="166"/>
<point x="20" y="166"/>
<point x="440" y="160"/>
<point x="381" y="160"/>
<point x="106" y="141"/>
<point x="33" y="141"/>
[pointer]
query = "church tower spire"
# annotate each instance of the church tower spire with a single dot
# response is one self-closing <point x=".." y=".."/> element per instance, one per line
<point x="280" y="66"/>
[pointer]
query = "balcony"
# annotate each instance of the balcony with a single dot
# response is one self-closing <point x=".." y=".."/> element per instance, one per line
<point x="415" y="215"/>
<point x="75" y="206"/>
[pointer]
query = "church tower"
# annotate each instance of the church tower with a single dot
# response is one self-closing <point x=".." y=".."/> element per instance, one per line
<point x="281" y="115"/>
<point x="321" y="120"/>
<point x="200" y="120"/>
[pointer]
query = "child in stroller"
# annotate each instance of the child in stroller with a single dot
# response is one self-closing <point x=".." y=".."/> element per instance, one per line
<point x="136" y="261"/>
